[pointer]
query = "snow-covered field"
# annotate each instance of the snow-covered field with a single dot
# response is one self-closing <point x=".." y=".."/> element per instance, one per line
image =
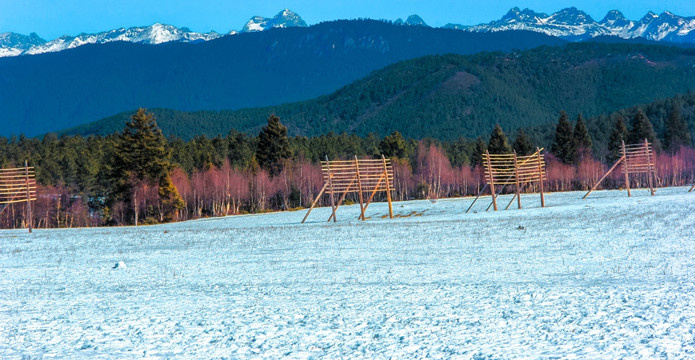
<point x="601" y="278"/>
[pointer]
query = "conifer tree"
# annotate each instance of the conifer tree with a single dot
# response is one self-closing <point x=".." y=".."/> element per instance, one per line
<point x="563" y="145"/>
<point x="479" y="149"/>
<point x="640" y="129"/>
<point x="618" y="135"/>
<point x="581" y="140"/>
<point x="140" y="156"/>
<point x="676" y="133"/>
<point x="394" y="146"/>
<point x="522" y="144"/>
<point x="273" y="148"/>
<point x="498" y="142"/>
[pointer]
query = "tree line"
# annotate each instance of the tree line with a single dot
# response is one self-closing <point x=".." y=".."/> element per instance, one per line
<point x="138" y="176"/>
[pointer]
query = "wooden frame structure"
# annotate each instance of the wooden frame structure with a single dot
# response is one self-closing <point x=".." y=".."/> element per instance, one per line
<point x="341" y="177"/>
<point x="512" y="169"/>
<point x="636" y="159"/>
<point x="18" y="185"/>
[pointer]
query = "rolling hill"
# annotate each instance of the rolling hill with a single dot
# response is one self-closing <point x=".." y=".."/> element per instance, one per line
<point x="447" y="96"/>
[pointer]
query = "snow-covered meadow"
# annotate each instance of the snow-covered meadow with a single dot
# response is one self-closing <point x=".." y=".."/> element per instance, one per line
<point x="605" y="277"/>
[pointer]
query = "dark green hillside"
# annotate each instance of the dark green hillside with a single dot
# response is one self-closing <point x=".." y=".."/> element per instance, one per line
<point x="49" y="92"/>
<point x="449" y="96"/>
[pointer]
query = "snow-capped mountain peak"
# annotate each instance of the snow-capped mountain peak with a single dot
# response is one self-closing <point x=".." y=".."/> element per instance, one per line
<point x="153" y="34"/>
<point x="12" y="44"/>
<point x="284" y="19"/>
<point x="571" y="16"/>
<point x="574" y="24"/>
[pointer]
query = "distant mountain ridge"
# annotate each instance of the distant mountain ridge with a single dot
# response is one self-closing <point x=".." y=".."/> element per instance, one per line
<point x="569" y="24"/>
<point x="53" y="91"/>
<point x="575" y="25"/>
<point x="12" y="44"/>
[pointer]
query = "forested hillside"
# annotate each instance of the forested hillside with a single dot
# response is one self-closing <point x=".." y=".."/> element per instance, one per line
<point x="448" y="96"/>
<point x="239" y="173"/>
<point x="49" y="92"/>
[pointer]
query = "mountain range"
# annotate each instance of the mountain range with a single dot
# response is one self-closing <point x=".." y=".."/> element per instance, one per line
<point x="573" y="24"/>
<point x="12" y="44"/>
<point x="53" y="91"/>
<point x="569" y="24"/>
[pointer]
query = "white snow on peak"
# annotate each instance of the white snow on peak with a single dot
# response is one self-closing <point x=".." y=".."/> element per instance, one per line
<point x="574" y="24"/>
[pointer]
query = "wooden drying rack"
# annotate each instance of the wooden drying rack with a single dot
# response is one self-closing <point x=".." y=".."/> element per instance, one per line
<point x="18" y="185"/>
<point x="512" y="169"/>
<point x="341" y="177"/>
<point x="636" y="159"/>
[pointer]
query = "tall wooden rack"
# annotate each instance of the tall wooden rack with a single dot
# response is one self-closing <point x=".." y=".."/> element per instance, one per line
<point x="512" y="169"/>
<point x="369" y="176"/>
<point x="635" y="159"/>
<point x="18" y="185"/>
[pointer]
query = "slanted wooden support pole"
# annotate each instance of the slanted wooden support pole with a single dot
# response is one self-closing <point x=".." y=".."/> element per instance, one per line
<point x="359" y="185"/>
<point x="625" y="170"/>
<point x="691" y="188"/>
<point x="476" y="198"/>
<point x="342" y="197"/>
<point x="540" y="176"/>
<point x="315" y="201"/>
<point x="388" y="187"/>
<point x="492" y="181"/>
<point x="650" y="170"/>
<point x="26" y="181"/>
<point x="516" y="176"/>
<point x="604" y="175"/>
<point x="374" y="192"/>
<point x="330" y="186"/>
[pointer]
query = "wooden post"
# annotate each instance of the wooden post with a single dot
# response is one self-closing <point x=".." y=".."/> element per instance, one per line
<point x="315" y="201"/>
<point x="388" y="187"/>
<point x="342" y="197"/>
<point x="649" y="167"/>
<point x="516" y="175"/>
<point x="604" y="175"/>
<point x="691" y="189"/>
<point x="330" y="185"/>
<point x="376" y="187"/>
<point x="540" y="176"/>
<point x="359" y="185"/>
<point x="627" y="177"/>
<point x="26" y="182"/>
<point x="492" y="180"/>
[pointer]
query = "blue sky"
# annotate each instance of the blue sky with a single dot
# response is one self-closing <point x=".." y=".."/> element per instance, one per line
<point x="53" y="18"/>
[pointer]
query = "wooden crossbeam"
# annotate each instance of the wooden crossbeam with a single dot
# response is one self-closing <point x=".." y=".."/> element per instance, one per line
<point x="356" y="176"/>
<point x="512" y="169"/>
<point x="635" y="159"/>
<point x="18" y="185"/>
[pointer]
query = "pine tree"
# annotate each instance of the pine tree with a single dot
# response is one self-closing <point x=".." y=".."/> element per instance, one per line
<point x="618" y="135"/>
<point x="581" y="140"/>
<point x="140" y="156"/>
<point x="563" y="145"/>
<point x="498" y="142"/>
<point x="676" y="133"/>
<point x="478" y="151"/>
<point x="170" y="198"/>
<point x="273" y="148"/>
<point x="522" y="144"/>
<point x="640" y="129"/>
<point x="394" y="146"/>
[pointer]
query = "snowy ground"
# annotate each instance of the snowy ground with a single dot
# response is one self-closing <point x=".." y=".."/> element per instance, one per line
<point x="605" y="277"/>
